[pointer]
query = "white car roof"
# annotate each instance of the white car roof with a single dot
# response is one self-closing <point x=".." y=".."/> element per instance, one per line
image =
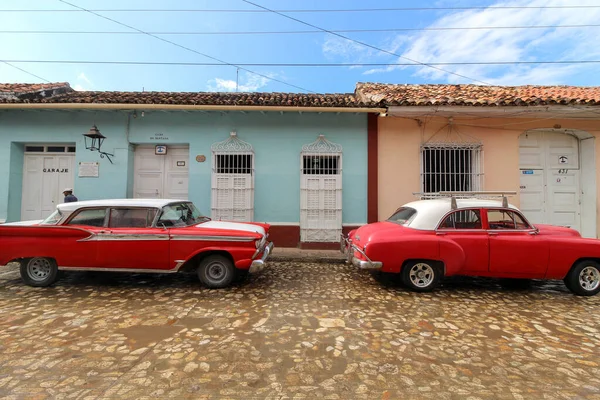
<point x="157" y="203"/>
<point x="430" y="212"/>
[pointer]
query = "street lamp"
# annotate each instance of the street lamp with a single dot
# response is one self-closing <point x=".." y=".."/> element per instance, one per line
<point x="93" y="142"/>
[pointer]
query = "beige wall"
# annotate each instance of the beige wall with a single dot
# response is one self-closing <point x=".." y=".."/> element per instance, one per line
<point x="399" y="143"/>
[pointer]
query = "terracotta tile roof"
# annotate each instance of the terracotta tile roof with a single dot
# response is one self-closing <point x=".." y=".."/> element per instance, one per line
<point x="24" y="92"/>
<point x="18" y="88"/>
<point x="380" y="94"/>
<point x="204" y="98"/>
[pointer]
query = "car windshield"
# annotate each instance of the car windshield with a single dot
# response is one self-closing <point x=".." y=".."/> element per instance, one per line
<point x="52" y="219"/>
<point x="403" y="215"/>
<point x="180" y="214"/>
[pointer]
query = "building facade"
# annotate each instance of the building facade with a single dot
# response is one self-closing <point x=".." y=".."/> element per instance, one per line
<point x="540" y="142"/>
<point x="298" y="162"/>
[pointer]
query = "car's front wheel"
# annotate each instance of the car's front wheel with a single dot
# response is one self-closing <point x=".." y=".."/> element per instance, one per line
<point x="584" y="278"/>
<point x="39" y="271"/>
<point x="421" y="276"/>
<point x="216" y="271"/>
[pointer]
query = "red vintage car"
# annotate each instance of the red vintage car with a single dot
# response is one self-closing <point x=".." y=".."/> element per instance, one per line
<point x="134" y="235"/>
<point x="426" y="240"/>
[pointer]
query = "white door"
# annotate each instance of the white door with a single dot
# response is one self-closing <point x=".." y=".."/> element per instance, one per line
<point x="161" y="176"/>
<point x="550" y="178"/>
<point x="44" y="178"/>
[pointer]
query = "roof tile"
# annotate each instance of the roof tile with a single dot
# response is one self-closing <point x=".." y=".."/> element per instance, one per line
<point x="201" y="98"/>
<point x="475" y="95"/>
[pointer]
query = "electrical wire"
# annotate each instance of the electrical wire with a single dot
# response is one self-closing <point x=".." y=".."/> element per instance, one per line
<point x="365" y="44"/>
<point x="23" y="70"/>
<point x="310" y="65"/>
<point x="360" y="10"/>
<point x="307" y="31"/>
<point x="185" y="47"/>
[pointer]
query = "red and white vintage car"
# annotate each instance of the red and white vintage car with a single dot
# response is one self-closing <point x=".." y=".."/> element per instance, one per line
<point x="134" y="235"/>
<point x="426" y="240"/>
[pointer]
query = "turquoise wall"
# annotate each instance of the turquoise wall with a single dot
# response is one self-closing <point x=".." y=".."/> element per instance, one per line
<point x="277" y="140"/>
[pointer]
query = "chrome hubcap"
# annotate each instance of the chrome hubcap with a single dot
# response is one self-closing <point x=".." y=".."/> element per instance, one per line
<point x="216" y="271"/>
<point x="421" y="275"/>
<point x="589" y="278"/>
<point x="38" y="269"/>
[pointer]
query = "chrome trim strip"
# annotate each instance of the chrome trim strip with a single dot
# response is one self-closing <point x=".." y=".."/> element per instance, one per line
<point x="127" y="237"/>
<point x="214" y="238"/>
<point x="134" y="270"/>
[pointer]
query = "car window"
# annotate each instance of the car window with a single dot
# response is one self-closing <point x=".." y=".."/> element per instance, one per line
<point x="180" y="214"/>
<point x="89" y="217"/>
<point x="403" y="215"/>
<point x="462" y="219"/>
<point x="52" y="219"/>
<point x="505" y="219"/>
<point x="131" y="217"/>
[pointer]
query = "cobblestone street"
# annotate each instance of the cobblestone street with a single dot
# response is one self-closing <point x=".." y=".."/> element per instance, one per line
<point x="294" y="331"/>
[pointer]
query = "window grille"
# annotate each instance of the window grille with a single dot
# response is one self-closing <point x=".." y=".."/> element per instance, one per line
<point x="232" y="180"/>
<point x="451" y="167"/>
<point x="321" y="191"/>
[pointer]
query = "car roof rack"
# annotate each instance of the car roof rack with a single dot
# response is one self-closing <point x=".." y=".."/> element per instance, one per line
<point x="486" y="194"/>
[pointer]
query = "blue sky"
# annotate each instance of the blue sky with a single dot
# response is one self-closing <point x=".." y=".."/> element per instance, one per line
<point x="550" y="44"/>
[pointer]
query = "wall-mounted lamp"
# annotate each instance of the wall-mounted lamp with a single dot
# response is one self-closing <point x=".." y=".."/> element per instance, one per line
<point x="93" y="142"/>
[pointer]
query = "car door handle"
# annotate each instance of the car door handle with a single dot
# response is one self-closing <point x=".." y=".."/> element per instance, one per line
<point x="493" y="233"/>
<point x="440" y="233"/>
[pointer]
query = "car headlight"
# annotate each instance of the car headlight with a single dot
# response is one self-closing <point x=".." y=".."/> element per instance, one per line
<point x="261" y="242"/>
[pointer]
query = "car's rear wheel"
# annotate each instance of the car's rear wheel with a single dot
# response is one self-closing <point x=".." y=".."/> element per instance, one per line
<point x="216" y="271"/>
<point x="584" y="278"/>
<point x="39" y="271"/>
<point x="421" y="276"/>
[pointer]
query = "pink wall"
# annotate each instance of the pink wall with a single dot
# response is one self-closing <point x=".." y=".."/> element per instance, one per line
<point x="399" y="152"/>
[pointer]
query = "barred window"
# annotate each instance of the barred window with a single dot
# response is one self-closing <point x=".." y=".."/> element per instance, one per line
<point x="320" y="165"/>
<point x="451" y="167"/>
<point x="233" y="163"/>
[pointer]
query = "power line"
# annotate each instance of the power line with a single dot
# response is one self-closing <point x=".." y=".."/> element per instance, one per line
<point x="308" y="31"/>
<point x="185" y="47"/>
<point x="364" y="44"/>
<point x="311" y="10"/>
<point x="27" y="72"/>
<point x="319" y="65"/>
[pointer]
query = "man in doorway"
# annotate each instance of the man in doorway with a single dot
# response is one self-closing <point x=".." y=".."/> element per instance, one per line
<point x="69" y="196"/>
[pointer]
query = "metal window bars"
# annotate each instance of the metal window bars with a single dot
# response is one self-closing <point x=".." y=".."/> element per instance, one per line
<point x="451" y="167"/>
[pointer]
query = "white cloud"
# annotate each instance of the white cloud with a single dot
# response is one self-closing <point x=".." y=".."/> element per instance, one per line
<point x="84" y="78"/>
<point x="248" y="83"/>
<point x="482" y="45"/>
<point x="83" y="82"/>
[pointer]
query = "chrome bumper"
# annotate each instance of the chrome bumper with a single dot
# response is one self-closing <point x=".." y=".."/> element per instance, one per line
<point x="348" y="249"/>
<point x="258" y="265"/>
<point x="369" y="265"/>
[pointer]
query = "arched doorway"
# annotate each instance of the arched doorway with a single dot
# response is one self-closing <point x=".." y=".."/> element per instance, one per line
<point x="557" y="179"/>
